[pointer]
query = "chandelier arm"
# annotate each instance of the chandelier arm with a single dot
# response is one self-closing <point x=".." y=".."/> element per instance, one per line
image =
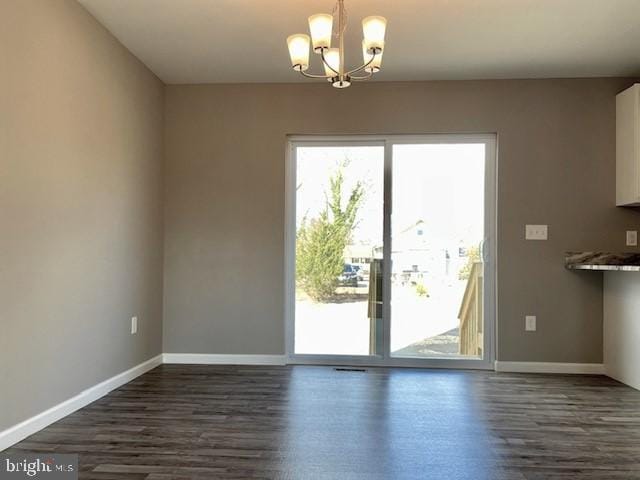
<point x="311" y="75"/>
<point x="327" y="64"/>
<point x="364" y="65"/>
<point x="363" y="77"/>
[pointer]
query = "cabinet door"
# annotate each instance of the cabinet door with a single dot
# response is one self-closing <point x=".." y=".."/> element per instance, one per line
<point x="628" y="147"/>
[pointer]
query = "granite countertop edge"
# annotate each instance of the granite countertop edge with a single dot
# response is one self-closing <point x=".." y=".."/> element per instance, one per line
<point x="603" y="261"/>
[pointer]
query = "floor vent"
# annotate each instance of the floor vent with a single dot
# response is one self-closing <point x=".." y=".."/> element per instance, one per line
<point x="342" y="369"/>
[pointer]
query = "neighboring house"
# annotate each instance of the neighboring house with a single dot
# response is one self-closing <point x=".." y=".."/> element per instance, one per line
<point x="414" y="250"/>
<point x="359" y="254"/>
<point x="411" y="250"/>
<point x="417" y="250"/>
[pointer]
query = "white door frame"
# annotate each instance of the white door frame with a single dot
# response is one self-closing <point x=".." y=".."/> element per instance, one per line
<point x="489" y="250"/>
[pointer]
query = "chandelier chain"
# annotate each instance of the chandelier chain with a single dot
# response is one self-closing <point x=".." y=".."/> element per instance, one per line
<point x="342" y="13"/>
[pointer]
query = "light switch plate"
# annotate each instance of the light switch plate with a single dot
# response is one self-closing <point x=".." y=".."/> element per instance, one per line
<point x="134" y="325"/>
<point x="530" y="323"/>
<point x="632" y="238"/>
<point x="536" y="232"/>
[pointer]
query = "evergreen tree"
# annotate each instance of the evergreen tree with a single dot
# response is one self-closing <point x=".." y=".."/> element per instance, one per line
<point x="320" y="242"/>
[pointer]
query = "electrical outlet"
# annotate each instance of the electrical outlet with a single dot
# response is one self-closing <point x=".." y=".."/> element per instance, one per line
<point x="530" y="323"/>
<point x="632" y="238"/>
<point x="536" y="232"/>
<point x="134" y="325"/>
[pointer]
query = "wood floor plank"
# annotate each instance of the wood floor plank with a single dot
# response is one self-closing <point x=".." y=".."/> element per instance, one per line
<point x="232" y="422"/>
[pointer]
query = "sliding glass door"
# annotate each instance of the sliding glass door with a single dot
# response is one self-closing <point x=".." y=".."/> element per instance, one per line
<point x="437" y="232"/>
<point x="389" y="250"/>
<point x="338" y="242"/>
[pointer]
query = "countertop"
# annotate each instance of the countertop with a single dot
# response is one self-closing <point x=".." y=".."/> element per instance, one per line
<point x="605" y="261"/>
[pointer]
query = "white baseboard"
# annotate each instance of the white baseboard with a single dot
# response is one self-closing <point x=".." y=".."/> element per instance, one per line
<point x="30" y="426"/>
<point x="214" y="359"/>
<point x="548" y="367"/>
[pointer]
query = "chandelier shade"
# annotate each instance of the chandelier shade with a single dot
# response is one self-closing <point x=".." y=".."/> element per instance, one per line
<point x="374" y="29"/>
<point x="299" y="51"/>
<point x="324" y="28"/>
<point x="332" y="62"/>
<point x="321" y="28"/>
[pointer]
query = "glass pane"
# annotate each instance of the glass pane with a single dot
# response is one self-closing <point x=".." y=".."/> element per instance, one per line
<point x="437" y="229"/>
<point x="339" y="218"/>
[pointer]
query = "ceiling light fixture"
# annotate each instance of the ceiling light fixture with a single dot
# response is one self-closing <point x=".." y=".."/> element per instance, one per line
<point x="321" y="29"/>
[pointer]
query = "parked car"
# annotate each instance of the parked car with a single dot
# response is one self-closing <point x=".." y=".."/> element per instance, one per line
<point x="358" y="270"/>
<point x="349" y="276"/>
<point x="362" y="272"/>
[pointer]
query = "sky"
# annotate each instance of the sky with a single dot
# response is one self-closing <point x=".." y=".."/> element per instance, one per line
<point x="440" y="184"/>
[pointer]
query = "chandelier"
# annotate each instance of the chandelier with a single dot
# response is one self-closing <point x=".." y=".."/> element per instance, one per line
<point x="321" y="29"/>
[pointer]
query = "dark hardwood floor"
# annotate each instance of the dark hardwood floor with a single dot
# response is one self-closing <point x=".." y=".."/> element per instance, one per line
<point x="209" y="422"/>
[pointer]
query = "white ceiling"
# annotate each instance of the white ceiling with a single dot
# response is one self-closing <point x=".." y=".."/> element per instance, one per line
<point x="210" y="41"/>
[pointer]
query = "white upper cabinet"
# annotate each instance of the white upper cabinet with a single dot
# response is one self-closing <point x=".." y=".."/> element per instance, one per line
<point x="628" y="147"/>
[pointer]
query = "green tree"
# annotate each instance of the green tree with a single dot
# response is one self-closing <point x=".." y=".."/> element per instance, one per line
<point x="473" y="256"/>
<point x="320" y="242"/>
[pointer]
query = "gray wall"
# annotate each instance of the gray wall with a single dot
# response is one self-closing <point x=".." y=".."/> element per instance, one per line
<point x="224" y="209"/>
<point x="80" y="206"/>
